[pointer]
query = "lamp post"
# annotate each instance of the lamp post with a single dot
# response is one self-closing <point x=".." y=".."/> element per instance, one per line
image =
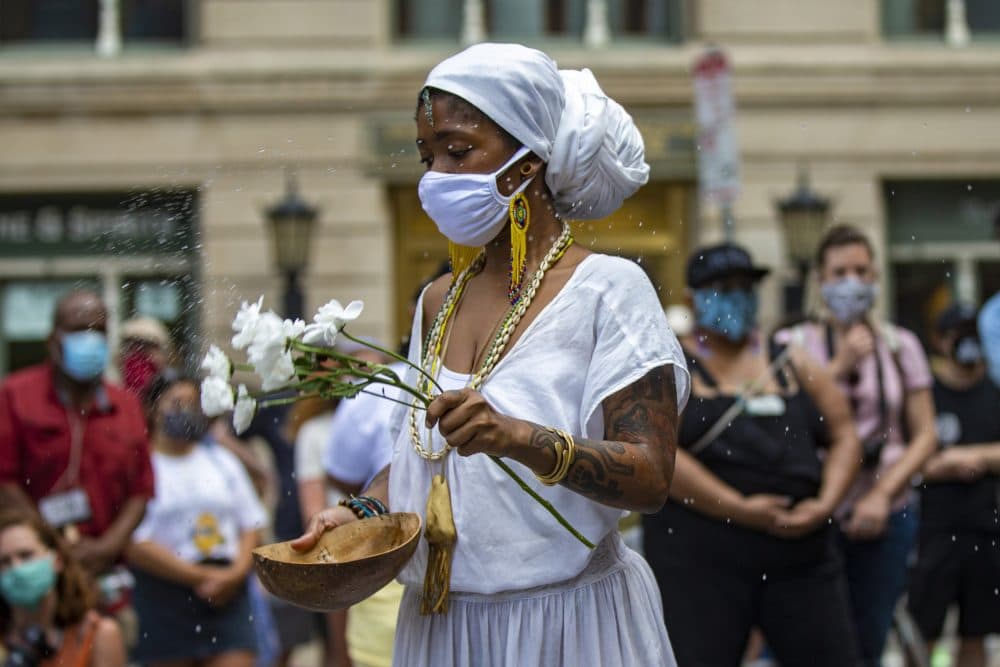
<point x="804" y="215"/>
<point x="291" y="221"/>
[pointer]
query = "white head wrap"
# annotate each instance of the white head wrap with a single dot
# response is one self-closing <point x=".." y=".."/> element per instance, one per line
<point x="593" y="149"/>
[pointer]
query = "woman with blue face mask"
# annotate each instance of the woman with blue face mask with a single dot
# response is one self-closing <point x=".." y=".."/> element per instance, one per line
<point x="47" y="615"/>
<point x="745" y="540"/>
<point x="883" y="371"/>
<point x="191" y="553"/>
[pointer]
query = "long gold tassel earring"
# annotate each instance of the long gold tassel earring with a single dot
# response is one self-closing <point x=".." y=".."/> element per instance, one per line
<point x="520" y="219"/>
<point x="460" y="257"/>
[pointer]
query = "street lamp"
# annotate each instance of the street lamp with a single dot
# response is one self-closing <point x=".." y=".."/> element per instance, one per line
<point x="292" y="221"/>
<point x="804" y="215"/>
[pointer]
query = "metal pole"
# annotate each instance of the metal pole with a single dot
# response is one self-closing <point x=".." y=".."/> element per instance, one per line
<point x="294" y="300"/>
<point x="727" y="222"/>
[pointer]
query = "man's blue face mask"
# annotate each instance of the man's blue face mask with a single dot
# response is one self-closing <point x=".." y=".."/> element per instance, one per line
<point x="84" y="354"/>
<point x="732" y="313"/>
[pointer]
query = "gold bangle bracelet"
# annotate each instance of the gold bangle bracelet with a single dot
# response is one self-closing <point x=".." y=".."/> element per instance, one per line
<point x="565" y="450"/>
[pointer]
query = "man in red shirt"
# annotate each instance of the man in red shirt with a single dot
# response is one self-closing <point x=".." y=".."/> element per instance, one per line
<point x="73" y="446"/>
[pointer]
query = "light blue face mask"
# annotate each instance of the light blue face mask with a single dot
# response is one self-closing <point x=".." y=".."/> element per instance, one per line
<point x="84" y="354"/>
<point x="732" y="313"/>
<point x="25" y="585"/>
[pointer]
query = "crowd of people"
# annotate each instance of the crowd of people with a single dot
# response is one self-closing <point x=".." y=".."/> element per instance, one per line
<point x="795" y="484"/>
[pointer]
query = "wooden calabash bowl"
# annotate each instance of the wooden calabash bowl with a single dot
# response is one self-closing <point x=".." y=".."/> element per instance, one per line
<point x="348" y="564"/>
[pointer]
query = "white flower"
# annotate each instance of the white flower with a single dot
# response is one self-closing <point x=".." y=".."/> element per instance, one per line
<point x="268" y="351"/>
<point x="216" y="396"/>
<point x="217" y="363"/>
<point x="329" y="320"/>
<point x="245" y="323"/>
<point x="246" y="408"/>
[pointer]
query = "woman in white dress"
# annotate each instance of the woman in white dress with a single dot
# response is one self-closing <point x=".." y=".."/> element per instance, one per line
<point x="557" y="361"/>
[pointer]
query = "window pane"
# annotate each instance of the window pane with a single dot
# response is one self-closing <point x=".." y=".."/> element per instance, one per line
<point x="515" y="19"/>
<point x="983" y="15"/>
<point x="659" y="19"/>
<point x="430" y="19"/>
<point x="160" y="20"/>
<point x="921" y="289"/>
<point x="48" y="20"/>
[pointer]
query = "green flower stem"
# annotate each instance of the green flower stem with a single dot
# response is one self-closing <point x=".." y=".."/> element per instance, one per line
<point x="409" y="405"/>
<point x="271" y="402"/>
<point x="541" y="501"/>
<point x="392" y="355"/>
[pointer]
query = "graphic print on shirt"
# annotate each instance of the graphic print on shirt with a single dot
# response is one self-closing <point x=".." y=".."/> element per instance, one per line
<point x="206" y="534"/>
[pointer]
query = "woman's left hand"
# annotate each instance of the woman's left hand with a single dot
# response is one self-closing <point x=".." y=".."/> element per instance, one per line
<point x="470" y="424"/>
<point x="870" y="516"/>
<point x="803" y="518"/>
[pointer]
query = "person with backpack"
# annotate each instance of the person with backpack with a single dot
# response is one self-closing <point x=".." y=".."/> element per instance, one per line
<point x="745" y="539"/>
<point x="884" y="372"/>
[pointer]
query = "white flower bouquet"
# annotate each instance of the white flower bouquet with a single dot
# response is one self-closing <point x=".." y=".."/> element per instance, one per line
<point x="292" y="357"/>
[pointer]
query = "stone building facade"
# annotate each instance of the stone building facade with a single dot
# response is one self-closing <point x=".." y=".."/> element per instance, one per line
<point x="140" y="146"/>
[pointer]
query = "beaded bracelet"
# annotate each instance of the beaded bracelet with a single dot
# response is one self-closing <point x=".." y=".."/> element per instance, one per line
<point x="565" y="449"/>
<point x="364" y="507"/>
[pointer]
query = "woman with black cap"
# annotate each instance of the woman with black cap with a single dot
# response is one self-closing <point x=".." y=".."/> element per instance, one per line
<point x="958" y="548"/>
<point x="745" y="539"/>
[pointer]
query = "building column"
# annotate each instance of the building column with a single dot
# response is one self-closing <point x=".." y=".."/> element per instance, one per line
<point x="596" y="32"/>
<point x="109" y="30"/>
<point x="473" y="22"/>
<point x="956" y="28"/>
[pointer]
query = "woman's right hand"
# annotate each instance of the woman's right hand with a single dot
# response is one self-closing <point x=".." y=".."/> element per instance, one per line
<point x="321" y="522"/>
<point x="858" y="342"/>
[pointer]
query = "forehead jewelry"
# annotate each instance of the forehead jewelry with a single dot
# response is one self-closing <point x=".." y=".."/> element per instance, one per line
<point x="425" y="95"/>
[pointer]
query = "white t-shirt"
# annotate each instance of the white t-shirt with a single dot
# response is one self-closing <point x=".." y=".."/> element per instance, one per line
<point x="310" y="448"/>
<point x="204" y="501"/>
<point x="604" y="331"/>
<point x="360" y="444"/>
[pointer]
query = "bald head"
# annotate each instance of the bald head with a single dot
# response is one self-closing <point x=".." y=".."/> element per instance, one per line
<point x="79" y="310"/>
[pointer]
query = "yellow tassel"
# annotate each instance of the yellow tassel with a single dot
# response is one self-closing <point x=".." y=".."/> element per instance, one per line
<point x="441" y="536"/>
<point x="461" y="257"/>
<point x="520" y="219"/>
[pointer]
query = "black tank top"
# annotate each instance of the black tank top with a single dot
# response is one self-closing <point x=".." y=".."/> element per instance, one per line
<point x="758" y="454"/>
<point x="964" y="417"/>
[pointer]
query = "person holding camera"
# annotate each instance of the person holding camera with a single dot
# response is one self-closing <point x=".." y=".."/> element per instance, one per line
<point x="884" y="372"/>
<point x="47" y="615"/>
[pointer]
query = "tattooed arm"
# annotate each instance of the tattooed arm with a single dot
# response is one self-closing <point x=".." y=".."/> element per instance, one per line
<point x="631" y="468"/>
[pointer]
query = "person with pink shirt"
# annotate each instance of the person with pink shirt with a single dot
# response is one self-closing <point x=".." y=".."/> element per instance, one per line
<point x="884" y="372"/>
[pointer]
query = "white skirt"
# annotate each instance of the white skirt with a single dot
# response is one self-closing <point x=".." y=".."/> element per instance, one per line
<point x="609" y="615"/>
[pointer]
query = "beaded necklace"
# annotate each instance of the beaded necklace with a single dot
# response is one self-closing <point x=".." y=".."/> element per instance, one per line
<point x="435" y="337"/>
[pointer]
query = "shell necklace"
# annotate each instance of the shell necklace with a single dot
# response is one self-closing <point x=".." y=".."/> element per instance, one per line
<point x="432" y="360"/>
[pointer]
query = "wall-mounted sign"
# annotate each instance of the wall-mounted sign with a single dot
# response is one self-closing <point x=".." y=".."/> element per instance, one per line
<point x="715" y="111"/>
<point x="96" y="224"/>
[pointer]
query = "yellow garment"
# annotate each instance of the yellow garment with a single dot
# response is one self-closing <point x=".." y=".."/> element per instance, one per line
<point x="371" y="626"/>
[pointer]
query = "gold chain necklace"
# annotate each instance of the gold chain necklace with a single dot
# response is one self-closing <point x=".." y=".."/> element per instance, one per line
<point x="432" y="360"/>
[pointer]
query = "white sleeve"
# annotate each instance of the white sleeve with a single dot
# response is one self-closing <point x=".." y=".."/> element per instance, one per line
<point x="309" y="447"/>
<point x="148" y="528"/>
<point x="632" y="338"/>
<point x="250" y="511"/>
<point x="360" y="444"/>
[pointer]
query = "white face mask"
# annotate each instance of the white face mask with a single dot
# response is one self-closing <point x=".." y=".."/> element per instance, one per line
<point x="467" y="208"/>
<point x="849" y="299"/>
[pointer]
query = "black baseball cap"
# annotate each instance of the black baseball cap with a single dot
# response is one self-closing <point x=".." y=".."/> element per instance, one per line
<point x="721" y="261"/>
<point x="957" y="317"/>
